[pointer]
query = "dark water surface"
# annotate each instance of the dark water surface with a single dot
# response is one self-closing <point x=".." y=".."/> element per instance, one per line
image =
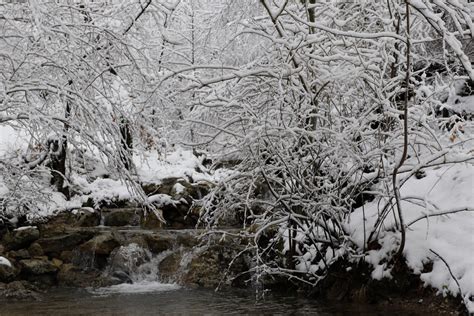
<point x="181" y="302"/>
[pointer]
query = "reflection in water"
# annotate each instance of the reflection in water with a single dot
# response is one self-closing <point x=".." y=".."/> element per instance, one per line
<point x="172" y="300"/>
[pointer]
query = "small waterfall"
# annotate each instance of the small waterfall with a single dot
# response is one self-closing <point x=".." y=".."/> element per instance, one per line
<point x="137" y="268"/>
<point x="102" y="219"/>
<point x="135" y="261"/>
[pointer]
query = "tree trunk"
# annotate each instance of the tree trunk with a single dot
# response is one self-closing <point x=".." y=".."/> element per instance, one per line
<point x="58" y="152"/>
<point x="127" y="143"/>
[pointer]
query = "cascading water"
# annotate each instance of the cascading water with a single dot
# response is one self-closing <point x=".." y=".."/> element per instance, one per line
<point x="137" y="268"/>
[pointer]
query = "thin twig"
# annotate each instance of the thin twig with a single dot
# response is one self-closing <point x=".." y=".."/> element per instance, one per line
<point x="396" y="190"/>
<point x="452" y="275"/>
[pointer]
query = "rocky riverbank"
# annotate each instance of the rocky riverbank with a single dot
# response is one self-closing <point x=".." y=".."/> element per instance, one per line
<point x="89" y="247"/>
<point x="123" y="243"/>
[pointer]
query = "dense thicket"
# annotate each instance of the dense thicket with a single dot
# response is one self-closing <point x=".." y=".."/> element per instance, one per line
<point x="322" y="104"/>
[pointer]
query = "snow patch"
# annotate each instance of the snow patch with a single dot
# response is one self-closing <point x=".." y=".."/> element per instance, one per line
<point x="446" y="240"/>
<point x="5" y="262"/>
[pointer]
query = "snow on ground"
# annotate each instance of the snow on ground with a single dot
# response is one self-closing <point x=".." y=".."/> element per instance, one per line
<point x="448" y="238"/>
<point x="153" y="167"/>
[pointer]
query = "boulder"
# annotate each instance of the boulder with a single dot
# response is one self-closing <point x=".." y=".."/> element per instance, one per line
<point x="100" y="245"/>
<point x="87" y="217"/>
<point x="159" y="242"/>
<point x="19" y="254"/>
<point x="37" y="266"/>
<point x="56" y="262"/>
<point x="217" y="265"/>
<point x="133" y="237"/>
<point x="55" y="245"/>
<point x="59" y="223"/>
<point x="187" y="239"/>
<point x="21" y="237"/>
<point x="164" y="187"/>
<point x="19" y="290"/>
<point x="151" y="221"/>
<point x="178" y="216"/>
<point x="35" y="250"/>
<point x="196" y="190"/>
<point x="122" y="217"/>
<point x="128" y="259"/>
<point x="71" y="275"/>
<point x="66" y="256"/>
<point x="169" y="266"/>
<point x="7" y="270"/>
<point x="122" y="276"/>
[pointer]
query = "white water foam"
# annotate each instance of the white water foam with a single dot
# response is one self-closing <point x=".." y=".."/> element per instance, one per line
<point x="135" y="288"/>
<point x="141" y="266"/>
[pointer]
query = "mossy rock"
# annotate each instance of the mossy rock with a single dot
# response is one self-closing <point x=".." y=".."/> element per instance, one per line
<point x="21" y="237"/>
<point x="122" y="217"/>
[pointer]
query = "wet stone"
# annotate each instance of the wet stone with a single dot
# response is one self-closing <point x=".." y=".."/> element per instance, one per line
<point x="37" y="266"/>
<point x="21" y="237"/>
<point x="122" y="217"/>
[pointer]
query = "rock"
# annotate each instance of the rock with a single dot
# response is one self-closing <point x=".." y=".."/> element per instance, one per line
<point x="7" y="274"/>
<point x="71" y="275"/>
<point x="211" y="267"/>
<point x="2" y="249"/>
<point x="134" y="238"/>
<point x="169" y="267"/>
<point x="122" y="217"/>
<point x="87" y="217"/>
<point x="55" y="245"/>
<point x="21" y="237"/>
<point x="198" y="190"/>
<point x="56" y="262"/>
<point x="35" y="250"/>
<point x="159" y="242"/>
<point x="59" y="223"/>
<point x="122" y="276"/>
<point x="7" y="270"/>
<point x="128" y="258"/>
<point x="100" y="245"/>
<point x="19" y="254"/>
<point x="178" y="217"/>
<point x="151" y="221"/>
<point x="187" y="240"/>
<point x="37" y="266"/>
<point x="52" y="229"/>
<point x="66" y="256"/>
<point x="164" y="187"/>
<point x="184" y="193"/>
<point x="19" y="290"/>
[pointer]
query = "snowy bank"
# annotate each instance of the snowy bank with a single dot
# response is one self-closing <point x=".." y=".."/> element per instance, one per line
<point x="445" y="240"/>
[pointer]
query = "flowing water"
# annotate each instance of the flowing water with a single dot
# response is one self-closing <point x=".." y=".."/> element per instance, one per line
<point x="142" y="293"/>
<point x="168" y="299"/>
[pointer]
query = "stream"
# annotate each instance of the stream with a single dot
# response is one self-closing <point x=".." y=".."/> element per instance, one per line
<point x="154" y="298"/>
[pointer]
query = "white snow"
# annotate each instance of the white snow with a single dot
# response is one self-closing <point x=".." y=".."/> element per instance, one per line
<point x="153" y="167"/>
<point x="178" y="188"/>
<point x="11" y="140"/>
<point x="23" y="228"/>
<point x="161" y="200"/>
<point x="430" y="238"/>
<point x="5" y="262"/>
